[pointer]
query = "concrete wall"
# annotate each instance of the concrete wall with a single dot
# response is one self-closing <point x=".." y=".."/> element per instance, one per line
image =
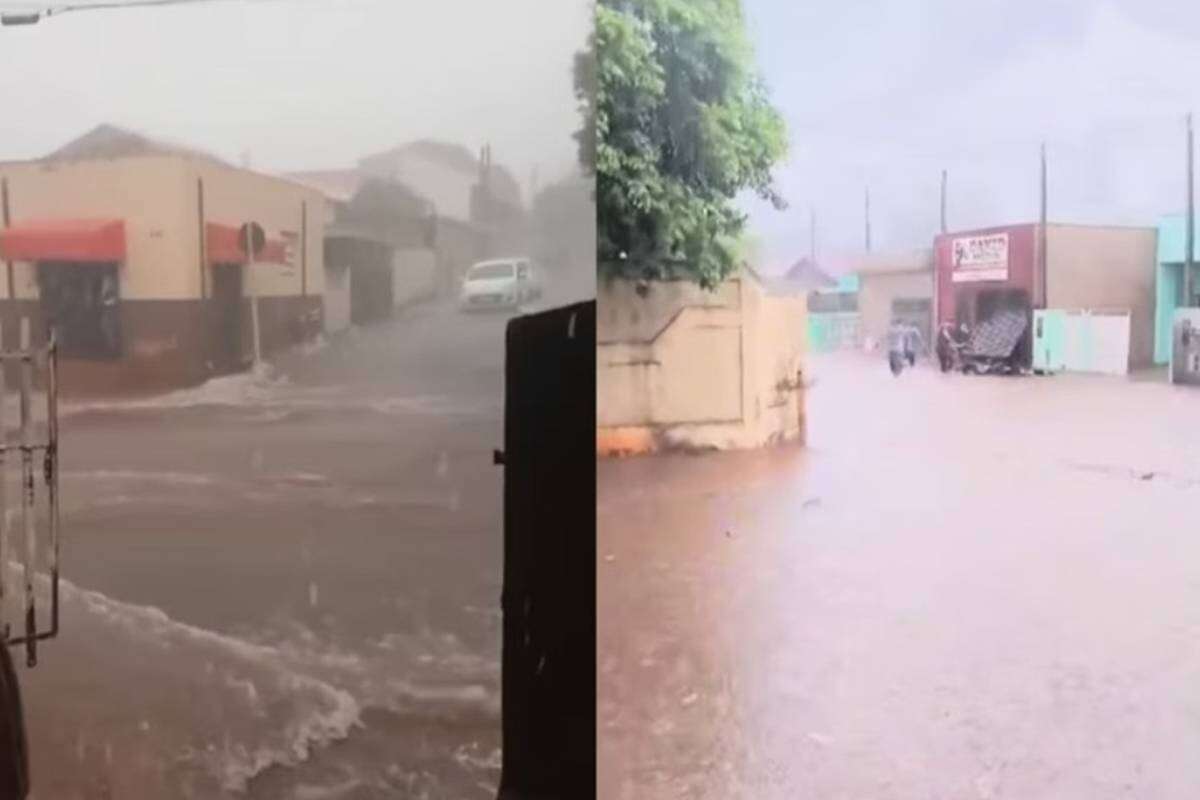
<point x="151" y="194"/>
<point x="233" y="197"/>
<point x="681" y="367"/>
<point x="414" y="276"/>
<point x="877" y="291"/>
<point x="1090" y="267"/>
<point x="457" y="247"/>
<point x="337" y="298"/>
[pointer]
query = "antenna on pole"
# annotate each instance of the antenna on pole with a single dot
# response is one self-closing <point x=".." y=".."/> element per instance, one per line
<point x="943" y="201"/>
<point x="868" y="218"/>
<point x="1191" y="223"/>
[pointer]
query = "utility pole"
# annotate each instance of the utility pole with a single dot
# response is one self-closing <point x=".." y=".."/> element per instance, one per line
<point x="250" y="284"/>
<point x="943" y="201"/>
<point x="868" y="217"/>
<point x="1190" y="243"/>
<point x="1042" y="231"/>
<point x="812" y="237"/>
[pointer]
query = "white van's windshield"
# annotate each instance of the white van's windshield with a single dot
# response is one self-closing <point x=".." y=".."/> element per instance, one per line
<point x="491" y="271"/>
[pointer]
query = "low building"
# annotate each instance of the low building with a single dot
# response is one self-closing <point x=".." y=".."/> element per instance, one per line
<point x="895" y="287"/>
<point x="807" y="274"/>
<point x="681" y="367"/>
<point x="129" y="248"/>
<point x="1088" y="268"/>
<point x="833" y="318"/>
<point x="379" y="246"/>
<point x="478" y="203"/>
<point x="1169" y="283"/>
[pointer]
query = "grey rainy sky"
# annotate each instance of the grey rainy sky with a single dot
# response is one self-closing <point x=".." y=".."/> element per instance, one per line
<point x="889" y="93"/>
<point x="303" y="84"/>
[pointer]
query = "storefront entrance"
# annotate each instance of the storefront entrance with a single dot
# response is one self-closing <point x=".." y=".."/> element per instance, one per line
<point x="976" y="306"/>
<point x="80" y="302"/>
<point x="227" y="316"/>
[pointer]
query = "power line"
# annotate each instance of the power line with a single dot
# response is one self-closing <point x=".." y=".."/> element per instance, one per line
<point x="25" y="14"/>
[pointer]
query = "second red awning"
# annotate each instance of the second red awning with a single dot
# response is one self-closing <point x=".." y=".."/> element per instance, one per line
<point x="222" y="246"/>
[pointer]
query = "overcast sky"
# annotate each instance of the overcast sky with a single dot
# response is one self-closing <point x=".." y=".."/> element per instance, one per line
<point x="887" y="94"/>
<point x="303" y="84"/>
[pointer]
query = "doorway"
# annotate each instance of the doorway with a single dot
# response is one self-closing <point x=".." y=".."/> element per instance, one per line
<point x="227" y="316"/>
<point x="81" y="303"/>
<point x="917" y="312"/>
<point x="992" y="301"/>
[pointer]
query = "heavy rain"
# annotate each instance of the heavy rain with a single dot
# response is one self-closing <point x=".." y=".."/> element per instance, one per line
<point x="253" y="228"/>
<point x="896" y="484"/>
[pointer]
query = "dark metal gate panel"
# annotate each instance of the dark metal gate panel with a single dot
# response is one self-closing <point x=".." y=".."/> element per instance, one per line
<point x="33" y="455"/>
<point x="549" y="602"/>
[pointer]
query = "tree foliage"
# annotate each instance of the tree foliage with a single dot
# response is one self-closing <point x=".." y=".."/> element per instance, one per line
<point x="683" y="124"/>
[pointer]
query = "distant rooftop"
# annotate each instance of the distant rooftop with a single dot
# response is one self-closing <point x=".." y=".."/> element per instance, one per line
<point x="450" y="156"/>
<point x="110" y="141"/>
<point x="336" y="184"/>
<point x="807" y="274"/>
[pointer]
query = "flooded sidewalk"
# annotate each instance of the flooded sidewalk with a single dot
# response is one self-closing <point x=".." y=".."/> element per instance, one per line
<point x="965" y="587"/>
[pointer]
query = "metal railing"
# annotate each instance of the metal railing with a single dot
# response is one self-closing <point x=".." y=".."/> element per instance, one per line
<point x="28" y="359"/>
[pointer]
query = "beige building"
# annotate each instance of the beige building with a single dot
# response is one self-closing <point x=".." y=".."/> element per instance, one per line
<point x="680" y="367"/>
<point x="129" y="248"/>
<point x="895" y="286"/>
<point x="1105" y="268"/>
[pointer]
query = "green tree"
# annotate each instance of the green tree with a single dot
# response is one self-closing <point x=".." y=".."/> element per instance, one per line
<point x="683" y="124"/>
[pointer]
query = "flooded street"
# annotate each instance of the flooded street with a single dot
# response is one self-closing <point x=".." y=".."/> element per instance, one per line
<point x="285" y="585"/>
<point x="966" y="587"/>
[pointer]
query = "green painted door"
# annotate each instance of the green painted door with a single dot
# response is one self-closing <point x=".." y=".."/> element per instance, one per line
<point x="1049" y="341"/>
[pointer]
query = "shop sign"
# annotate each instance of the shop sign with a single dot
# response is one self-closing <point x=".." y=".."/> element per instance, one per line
<point x="980" y="258"/>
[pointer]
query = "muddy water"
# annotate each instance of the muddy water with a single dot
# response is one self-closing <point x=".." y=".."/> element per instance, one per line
<point x="965" y="587"/>
<point x="285" y="585"/>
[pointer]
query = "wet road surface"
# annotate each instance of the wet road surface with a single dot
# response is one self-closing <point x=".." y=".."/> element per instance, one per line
<point x="285" y="585"/>
<point x="967" y="587"/>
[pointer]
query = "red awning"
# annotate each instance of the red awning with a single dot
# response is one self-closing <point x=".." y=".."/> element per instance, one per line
<point x="221" y="246"/>
<point x="64" y="240"/>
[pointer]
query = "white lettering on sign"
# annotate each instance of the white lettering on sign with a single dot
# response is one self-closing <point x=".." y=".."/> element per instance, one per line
<point x="980" y="258"/>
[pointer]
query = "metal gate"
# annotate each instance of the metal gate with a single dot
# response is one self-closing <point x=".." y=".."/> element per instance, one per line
<point x="1082" y="340"/>
<point x="20" y="521"/>
<point x="549" y="599"/>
